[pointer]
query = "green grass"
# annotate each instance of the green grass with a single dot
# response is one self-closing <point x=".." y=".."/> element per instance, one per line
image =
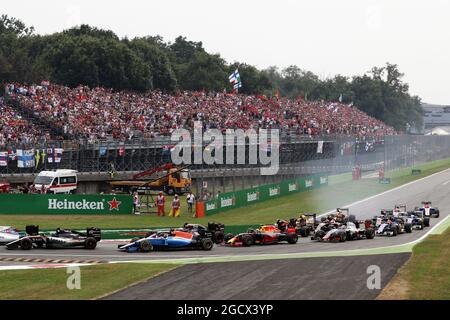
<point x="426" y="275"/>
<point x="341" y="190"/>
<point x="96" y="281"/>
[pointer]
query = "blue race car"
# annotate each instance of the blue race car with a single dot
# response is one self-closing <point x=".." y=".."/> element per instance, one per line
<point x="169" y="240"/>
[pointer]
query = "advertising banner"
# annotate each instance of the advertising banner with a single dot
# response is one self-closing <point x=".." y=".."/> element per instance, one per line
<point x="231" y="200"/>
<point x="62" y="204"/>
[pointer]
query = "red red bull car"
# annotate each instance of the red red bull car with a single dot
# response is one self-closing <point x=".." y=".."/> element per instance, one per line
<point x="265" y="235"/>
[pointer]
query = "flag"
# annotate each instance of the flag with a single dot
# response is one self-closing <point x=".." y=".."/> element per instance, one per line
<point x="102" y="151"/>
<point x="43" y="155"/>
<point x="54" y="155"/>
<point x="25" y="158"/>
<point x="4" y="158"/>
<point x="320" y="147"/>
<point x="37" y="157"/>
<point x="12" y="155"/>
<point x="235" y="77"/>
<point x="237" y="85"/>
<point x="340" y="98"/>
<point x="235" y="80"/>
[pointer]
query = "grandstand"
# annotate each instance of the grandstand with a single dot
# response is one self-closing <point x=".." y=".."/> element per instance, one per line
<point x="102" y="114"/>
<point x="102" y="130"/>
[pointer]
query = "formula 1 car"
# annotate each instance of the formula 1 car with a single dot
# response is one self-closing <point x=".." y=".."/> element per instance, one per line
<point x="416" y="219"/>
<point x="428" y="210"/>
<point x="268" y="234"/>
<point x="359" y="230"/>
<point x="8" y="234"/>
<point x="61" y="239"/>
<point x="387" y="224"/>
<point x="215" y="231"/>
<point x="329" y="231"/>
<point x="303" y="226"/>
<point x="169" y="240"/>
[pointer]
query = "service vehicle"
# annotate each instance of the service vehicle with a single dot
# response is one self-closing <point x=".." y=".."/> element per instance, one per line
<point x="57" y="181"/>
<point x="167" y="178"/>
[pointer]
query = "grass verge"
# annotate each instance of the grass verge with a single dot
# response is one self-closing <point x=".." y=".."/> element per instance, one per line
<point x="425" y="276"/>
<point x="96" y="281"/>
<point x="340" y="191"/>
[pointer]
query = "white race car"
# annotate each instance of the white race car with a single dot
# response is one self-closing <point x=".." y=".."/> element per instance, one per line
<point x="8" y="234"/>
<point x="428" y="210"/>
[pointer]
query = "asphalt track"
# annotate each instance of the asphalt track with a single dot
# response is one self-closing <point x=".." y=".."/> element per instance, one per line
<point x="435" y="188"/>
<point x="333" y="278"/>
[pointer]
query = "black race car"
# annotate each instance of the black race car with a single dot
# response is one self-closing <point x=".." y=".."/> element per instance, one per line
<point x="215" y="231"/>
<point x="303" y="226"/>
<point x="60" y="239"/>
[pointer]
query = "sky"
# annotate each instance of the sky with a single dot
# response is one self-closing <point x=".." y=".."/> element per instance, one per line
<point x="328" y="37"/>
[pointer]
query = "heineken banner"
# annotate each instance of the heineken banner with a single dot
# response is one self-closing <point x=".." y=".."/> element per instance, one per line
<point x="230" y="200"/>
<point x="65" y="204"/>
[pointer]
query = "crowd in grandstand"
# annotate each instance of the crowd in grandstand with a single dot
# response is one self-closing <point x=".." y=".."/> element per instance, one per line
<point x="16" y="130"/>
<point x="99" y="113"/>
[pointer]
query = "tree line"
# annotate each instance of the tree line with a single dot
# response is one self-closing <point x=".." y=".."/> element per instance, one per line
<point x="95" y="57"/>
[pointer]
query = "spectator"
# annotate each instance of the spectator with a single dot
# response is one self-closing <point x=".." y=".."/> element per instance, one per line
<point x="100" y="113"/>
<point x="190" y="198"/>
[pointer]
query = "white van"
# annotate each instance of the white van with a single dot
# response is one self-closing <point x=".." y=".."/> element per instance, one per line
<point x="57" y="181"/>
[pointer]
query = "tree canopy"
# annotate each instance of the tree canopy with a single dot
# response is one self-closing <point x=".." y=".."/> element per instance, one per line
<point x="95" y="57"/>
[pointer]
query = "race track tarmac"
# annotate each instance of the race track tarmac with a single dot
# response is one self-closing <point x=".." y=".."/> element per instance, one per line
<point x="435" y="188"/>
<point x="291" y="279"/>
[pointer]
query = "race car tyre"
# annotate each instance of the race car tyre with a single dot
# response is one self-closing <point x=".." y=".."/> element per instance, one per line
<point x="228" y="237"/>
<point x="40" y="244"/>
<point x="90" y="243"/>
<point x="134" y="240"/>
<point x="292" y="238"/>
<point x="426" y="222"/>
<point x="26" y="244"/>
<point x="247" y="240"/>
<point x="319" y="234"/>
<point x="145" y="246"/>
<point x="421" y="226"/>
<point x="342" y="236"/>
<point x="302" y="232"/>
<point x="394" y="232"/>
<point x="370" y="233"/>
<point x="218" y="237"/>
<point x="408" y="228"/>
<point x="207" y="244"/>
